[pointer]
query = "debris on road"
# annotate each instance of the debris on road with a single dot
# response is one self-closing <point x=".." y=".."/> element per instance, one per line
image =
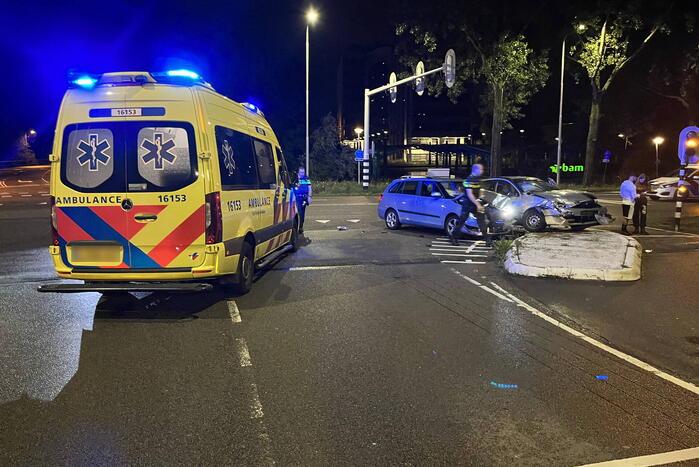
<point x="342" y="227"/>
<point x="506" y="386"/>
<point x="648" y="251"/>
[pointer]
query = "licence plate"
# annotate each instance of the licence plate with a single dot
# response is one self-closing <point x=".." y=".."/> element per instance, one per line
<point x="96" y="254"/>
<point x="130" y="112"/>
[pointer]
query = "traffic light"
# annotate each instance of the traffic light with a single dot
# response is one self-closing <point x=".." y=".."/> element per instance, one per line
<point x="690" y="147"/>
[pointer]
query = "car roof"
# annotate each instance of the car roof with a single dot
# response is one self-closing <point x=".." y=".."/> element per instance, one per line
<point x="428" y="179"/>
<point x="518" y="177"/>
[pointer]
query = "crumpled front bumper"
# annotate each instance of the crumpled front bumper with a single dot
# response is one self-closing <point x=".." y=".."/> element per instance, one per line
<point x="568" y="219"/>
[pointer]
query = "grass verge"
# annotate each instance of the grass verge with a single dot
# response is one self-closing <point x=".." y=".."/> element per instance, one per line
<point x="501" y="247"/>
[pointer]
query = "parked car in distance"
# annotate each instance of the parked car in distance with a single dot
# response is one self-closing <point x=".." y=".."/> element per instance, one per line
<point x="537" y="205"/>
<point x="665" y="188"/>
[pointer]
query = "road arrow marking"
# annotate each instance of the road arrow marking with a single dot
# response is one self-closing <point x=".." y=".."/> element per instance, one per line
<point x="323" y="221"/>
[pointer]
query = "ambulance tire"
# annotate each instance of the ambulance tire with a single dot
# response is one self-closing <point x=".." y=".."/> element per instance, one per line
<point x="294" y="242"/>
<point x="246" y="270"/>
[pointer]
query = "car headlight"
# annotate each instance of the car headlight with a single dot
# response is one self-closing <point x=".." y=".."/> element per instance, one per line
<point x="669" y="185"/>
<point x="508" y="212"/>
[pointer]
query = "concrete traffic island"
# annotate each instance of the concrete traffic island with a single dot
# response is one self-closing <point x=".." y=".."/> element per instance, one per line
<point x="589" y="255"/>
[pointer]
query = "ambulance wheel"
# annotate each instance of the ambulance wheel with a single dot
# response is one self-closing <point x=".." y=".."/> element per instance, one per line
<point x="294" y="241"/>
<point x="246" y="270"/>
<point x="392" y="221"/>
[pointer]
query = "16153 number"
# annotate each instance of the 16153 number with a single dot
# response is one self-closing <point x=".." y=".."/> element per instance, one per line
<point x="172" y="198"/>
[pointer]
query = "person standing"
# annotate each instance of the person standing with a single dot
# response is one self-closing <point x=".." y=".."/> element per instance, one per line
<point x="303" y="192"/>
<point x="640" y="208"/>
<point x="471" y="204"/>
<point x="628" y="199"/>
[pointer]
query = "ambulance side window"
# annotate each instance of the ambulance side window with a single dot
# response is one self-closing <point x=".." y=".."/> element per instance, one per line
<point x="88" y="158"/>
<point x="283" y="171"/>
<point x="265" y="163"/>
<point x="236" y="160"/>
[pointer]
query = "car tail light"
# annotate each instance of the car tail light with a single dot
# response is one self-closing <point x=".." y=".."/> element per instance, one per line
<point x="380" y="197"/>
<point x="214" y="218"/>
<point x="54" y="223"/>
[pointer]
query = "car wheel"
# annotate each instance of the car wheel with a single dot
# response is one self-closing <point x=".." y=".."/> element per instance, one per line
<point x="533" y="221"/>
<point x="246" y="270"/>
<point x="391" y="218"/>
<point x="450" y="223"/>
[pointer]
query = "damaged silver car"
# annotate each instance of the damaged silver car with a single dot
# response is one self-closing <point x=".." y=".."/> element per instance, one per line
<point x="537" y="205"/>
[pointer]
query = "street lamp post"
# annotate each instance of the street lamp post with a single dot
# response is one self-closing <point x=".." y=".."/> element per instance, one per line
<point x="658" y="140"/>
<point x="311" y="18"/>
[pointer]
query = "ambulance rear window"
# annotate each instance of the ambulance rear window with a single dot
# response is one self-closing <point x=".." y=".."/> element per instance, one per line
<point x="128" y="156"/>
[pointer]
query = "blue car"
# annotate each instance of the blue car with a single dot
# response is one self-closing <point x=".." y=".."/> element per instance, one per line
<point x="426" y="202"/>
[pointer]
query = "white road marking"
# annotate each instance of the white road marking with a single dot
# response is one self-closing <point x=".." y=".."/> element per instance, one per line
<point x="25" y="181"/>
<point x="243" y="352"/>
<point x="458" y="254"/>
<point x="342" y="204"/>
<point x="43" y="203"/>
<point x="609" y="201"/>
<point x="353" y="220"/>
<point x="483" y="287"/>
<point x="256" y="408"/>
<point x="320" y="268"/>
<point x="26" y="196"/>
<point x="6" y="196"/>
<point x="652" y="459"/>
<point x="322" y="221"/>
<point x="467" y="261"/>
<point x="232" y="310"/>
<point x="627" y="358"/>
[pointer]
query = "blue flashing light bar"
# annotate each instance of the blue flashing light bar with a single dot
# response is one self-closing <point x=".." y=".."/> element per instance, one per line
<point x="85" y="82"/>
<point x="183" y="74"/>
<point x="251" y="107"/>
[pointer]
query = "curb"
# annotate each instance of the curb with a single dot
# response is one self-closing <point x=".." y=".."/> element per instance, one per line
<point x="630" y="270"/>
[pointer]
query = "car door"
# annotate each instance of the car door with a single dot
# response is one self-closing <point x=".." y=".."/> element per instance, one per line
<point x="430" y="207"/>
<point x="407" y="202"/>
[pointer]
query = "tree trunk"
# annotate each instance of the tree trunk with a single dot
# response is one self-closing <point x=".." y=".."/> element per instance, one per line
<point x="496" y="137"/>
<point x="592" y="131"/>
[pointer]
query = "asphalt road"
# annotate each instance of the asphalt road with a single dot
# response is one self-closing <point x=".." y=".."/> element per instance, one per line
<point x="364" y="348"/>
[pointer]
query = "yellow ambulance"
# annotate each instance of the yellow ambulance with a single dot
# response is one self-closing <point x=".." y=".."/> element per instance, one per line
<point x="160" y="183"/>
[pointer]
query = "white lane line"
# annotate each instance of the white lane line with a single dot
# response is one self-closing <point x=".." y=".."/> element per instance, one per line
<point x="321" y="268"/>
<point x="40" y="204"/>
<point x="243" y="352"/>
<point x="256" y="406"/>
<point x="652" y="459"/>
<point x="483" y="287"/>
<point x="673" y="232"/>
<point x="322" y="221"/>
<point x="459" y="254"/>
<point x="232" y="310"/>
<point x="449" y="245"/>
<point x="354" y="221"/>
<point x="26" y="196"/>
<point x="467" y="261"/>
<point x="6" y="196"/>
<point x="342" y="204"/>
<point x="627" y="358"/>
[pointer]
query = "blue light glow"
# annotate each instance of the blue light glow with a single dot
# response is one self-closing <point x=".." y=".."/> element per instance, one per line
<point x="506" y="386"/>
<point x="85" y="82"/>
<point x="602" y="377"/>
<point x="183" y="73"/>
<point x="251" y="107"/>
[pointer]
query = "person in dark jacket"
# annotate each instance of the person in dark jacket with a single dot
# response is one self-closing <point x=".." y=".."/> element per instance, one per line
<point x="471" y="204"/>
<point x="640" y="209"/>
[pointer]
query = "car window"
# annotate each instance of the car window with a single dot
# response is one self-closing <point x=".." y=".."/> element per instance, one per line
<point x="488" y="185"/>
<point x="409" y="188"/>
<point x="451" y="188"/>
<point x="505" y="188"/>
<point x="426" y="188"/>
<point x="236" y="160"/>
<point x="396" y="187"/>
<point x="534" y="185"/>
<point x="265" y="163"/>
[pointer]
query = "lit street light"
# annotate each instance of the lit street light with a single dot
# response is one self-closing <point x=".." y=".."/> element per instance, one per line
<point x="658" y="140"/>
<point x="311" y="18"/>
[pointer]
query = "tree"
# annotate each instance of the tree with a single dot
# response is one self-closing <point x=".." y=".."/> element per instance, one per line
<point x="605" y="49"/>
<point x="507" y="69"/>
<point x="330" y="160"/>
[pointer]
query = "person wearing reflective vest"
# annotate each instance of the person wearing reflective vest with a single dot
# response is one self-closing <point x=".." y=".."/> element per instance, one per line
<point x="471" y="204"/>
<point x="303" y="192"/>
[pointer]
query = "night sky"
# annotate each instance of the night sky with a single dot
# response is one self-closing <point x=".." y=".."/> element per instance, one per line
<point x="254" y="51"/>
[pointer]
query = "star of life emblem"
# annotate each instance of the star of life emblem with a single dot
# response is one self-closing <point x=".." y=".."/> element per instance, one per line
<point x="93" y="152"/>
<point x="158" y="151"/>
<point x="228" y="160"/>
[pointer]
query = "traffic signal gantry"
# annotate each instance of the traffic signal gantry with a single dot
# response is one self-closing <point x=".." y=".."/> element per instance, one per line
<point x="449" y="69"/>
